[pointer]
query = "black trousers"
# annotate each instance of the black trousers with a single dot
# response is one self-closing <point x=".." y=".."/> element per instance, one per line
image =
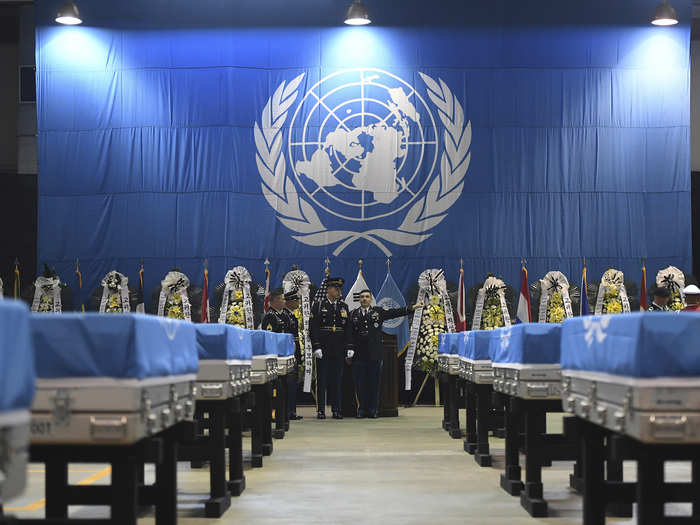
<point x="292" y="386"/>
<point x="330" y="376"/>
<point x="367" y="375"/>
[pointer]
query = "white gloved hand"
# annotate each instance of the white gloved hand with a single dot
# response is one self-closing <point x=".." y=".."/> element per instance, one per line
<point x="351" y="353"/>
<point x="318" y="353"/>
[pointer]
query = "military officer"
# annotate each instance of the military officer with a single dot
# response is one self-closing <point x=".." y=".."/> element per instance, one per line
<point x="291" y="300"/>
<point x="275" y="320"/>
<point x="660" y="298"/>
<point x="364" y="342"/>
<point x="329" y="317"/>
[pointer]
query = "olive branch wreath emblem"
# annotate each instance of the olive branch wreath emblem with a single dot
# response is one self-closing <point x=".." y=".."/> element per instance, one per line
<point x="297" y="214"/>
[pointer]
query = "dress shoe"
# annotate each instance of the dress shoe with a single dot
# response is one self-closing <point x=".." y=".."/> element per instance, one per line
<point x="294" y="417"/>
<point x="360" y="414"/>
<point x="373" y="416"/>
<point x="321" y="415"/>
<point x="337" y="415"/>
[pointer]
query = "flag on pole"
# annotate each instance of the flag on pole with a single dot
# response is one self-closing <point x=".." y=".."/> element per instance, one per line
<point x="323" y="288"/>
<point x="643" y="301"/>
<point x="353" y="297"/>
<point x="584" y="291"/>
<point x="524" y="313"/>
<point x="79" y="285"/>
<point x="205" y="295"/>
<point x="17" y="283"/>
<point x="390" y="296"/>
<point x="461" y="302"/>
<point x="141" y="307"/>
<point x="266" y="304"/>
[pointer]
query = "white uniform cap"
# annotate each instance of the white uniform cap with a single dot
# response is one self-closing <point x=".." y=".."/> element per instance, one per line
<point x="691" y="289"/>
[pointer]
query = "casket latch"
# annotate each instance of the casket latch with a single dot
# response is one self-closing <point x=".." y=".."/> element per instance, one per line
<point x="61" y="407"/>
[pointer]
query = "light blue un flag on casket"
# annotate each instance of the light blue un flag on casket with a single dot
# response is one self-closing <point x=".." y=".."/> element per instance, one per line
<point x="390" y="296"/>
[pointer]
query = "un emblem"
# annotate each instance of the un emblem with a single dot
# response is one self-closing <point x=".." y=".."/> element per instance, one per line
<point x="362" y="145"/>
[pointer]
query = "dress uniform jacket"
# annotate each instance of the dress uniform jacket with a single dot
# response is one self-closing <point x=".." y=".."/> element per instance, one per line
<point x="328" y="324"/>
<point x="275" y="321"/>
<point x="293" y="328"/>
<point x="364" y="333"/>
<point x="653" y="307"/>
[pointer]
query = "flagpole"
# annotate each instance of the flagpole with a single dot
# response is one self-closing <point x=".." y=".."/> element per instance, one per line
<point x="17" y="283"/>
<point x="80" y="285"/>
<point x="204" y="315"/>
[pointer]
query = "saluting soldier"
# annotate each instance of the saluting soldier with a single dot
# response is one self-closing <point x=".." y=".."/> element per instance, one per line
<point x="364" y="342"/>
<point x="329" y="318"/>
<point x="291" y="300"/>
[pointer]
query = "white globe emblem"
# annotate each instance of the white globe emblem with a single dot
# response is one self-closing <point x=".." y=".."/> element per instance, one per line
<point x="389" y="303"/>
<point x="361" y="146"/>
<point x="359" y="140"/>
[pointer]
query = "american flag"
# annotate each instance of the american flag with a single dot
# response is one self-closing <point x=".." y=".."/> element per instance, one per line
<point x="322" y="290"/>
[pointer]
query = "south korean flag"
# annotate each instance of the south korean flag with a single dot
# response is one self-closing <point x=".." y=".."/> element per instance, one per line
<point x="353" y="297"/>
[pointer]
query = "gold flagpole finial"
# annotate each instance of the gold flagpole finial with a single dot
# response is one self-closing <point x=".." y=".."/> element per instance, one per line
<point x="206" y="263"/>
<point x="461" y="263"/>
<point x="267" y="262"/>
<point x="584" y="260"/>
<point x="327" y="270"/>
<point x="388" y="263"/>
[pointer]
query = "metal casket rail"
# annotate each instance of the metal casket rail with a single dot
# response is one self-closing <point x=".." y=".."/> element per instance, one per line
<point x="528" y="381"/>
<point x="449" y="364"/>
<point x="14" y="454"/>
<point x="217" y="380"/>
<point x="263" y="369"/>
<point x="479" y="372"/>
<point x="652" y="411"/>
<point x="109" y="414"/>
<point x="286" y="365"/>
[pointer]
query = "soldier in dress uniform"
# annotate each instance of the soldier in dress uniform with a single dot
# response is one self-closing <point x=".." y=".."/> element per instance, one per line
<point x="692" y="298"/>
<point x="660" y="298"/>
<point x="364" y="342"/>
<point x="329" y="317"/>
<point x="291" y="300"/>
<point x="275" y="320"/>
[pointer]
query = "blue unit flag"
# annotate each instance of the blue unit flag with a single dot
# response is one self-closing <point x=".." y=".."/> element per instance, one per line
<point x="390" y="296"/>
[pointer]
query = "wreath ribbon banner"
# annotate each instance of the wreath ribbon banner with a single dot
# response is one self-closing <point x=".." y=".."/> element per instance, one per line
<point x="299" y="281"/>
<point x="175" y="282"/>
<point x="52" y="285"/>
<point x="123" y="291"/>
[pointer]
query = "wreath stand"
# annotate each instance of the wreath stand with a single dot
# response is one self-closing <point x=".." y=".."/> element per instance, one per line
<point x="422" y="386"/>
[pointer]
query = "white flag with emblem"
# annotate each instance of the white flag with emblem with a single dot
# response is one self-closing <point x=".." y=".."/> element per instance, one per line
<point x="353" y="297"/>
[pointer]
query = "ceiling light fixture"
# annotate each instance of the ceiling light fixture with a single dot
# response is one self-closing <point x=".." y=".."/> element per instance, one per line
<point x="665" y="15"/>
<point x="68" y="14"/>
<point x="357" y="14"/>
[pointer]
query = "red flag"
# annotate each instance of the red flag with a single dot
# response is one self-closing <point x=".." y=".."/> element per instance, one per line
<point x="643" y="301"/>
<point x="524" y="313"/>
<point x="461" y="304"/>
<point x="205" y="297"/>
<point x="267" y="288"/>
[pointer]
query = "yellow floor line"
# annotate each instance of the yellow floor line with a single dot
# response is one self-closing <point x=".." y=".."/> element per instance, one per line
<point x="41" y="471"/>
<point x="39" y="504"/>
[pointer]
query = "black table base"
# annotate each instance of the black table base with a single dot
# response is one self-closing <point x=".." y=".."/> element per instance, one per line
<point x="126" y="495"/>
<point x="525" y="430"/>
<point x="651" y="492"/>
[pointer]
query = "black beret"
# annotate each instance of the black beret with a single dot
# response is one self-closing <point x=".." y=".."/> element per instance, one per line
<point x="291" y="296"/>
<point x="662" y="291"/>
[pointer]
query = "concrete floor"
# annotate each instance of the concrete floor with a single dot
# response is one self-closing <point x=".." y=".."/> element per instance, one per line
<point x="395" y="470"/>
